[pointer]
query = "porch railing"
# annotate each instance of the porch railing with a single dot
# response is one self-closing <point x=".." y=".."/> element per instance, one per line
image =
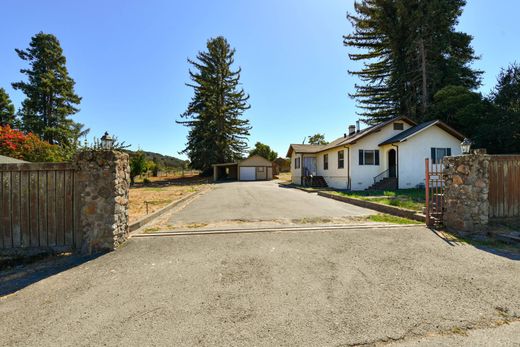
<point x="382" y="176"/>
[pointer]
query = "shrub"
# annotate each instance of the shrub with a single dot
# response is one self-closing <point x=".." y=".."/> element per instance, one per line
<point x="16" y="144"/>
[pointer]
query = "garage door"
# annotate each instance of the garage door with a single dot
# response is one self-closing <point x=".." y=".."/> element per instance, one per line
<point x="247" y="173"/>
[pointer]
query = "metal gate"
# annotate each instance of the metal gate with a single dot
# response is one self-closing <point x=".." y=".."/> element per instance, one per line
<point x="434" y="194"/>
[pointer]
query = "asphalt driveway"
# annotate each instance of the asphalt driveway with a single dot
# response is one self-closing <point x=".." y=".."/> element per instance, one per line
<point x="331" y="288"/>
<point x="262" y="201"/>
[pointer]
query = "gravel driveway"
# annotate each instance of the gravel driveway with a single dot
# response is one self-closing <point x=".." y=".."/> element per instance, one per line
<point x="320" y="288"/>
<point x="262" y="201"/>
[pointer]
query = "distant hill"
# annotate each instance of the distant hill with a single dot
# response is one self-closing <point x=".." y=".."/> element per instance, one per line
<point x="164" y="160"/>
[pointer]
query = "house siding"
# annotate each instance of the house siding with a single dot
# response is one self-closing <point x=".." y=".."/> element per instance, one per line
<point x="413" y="152"/>
<point x="363" y="175"/>
<point x="337" y="178"/>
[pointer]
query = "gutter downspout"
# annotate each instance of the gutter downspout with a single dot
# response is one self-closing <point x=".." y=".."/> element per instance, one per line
<point x="396" y="164"/>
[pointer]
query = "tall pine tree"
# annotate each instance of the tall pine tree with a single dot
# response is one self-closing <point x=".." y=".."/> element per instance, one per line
<point x="217" y="133"/>
<point x="410" y="50"/>
<point x="7" y="114"/>
<point x="50" y="96"/>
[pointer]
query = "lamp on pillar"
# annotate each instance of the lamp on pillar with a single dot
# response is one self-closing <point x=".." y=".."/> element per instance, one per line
<point x="107" y="142"/>
<point x="465" y="146"/>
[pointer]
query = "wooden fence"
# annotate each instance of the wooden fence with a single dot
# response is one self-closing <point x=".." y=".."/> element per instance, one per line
<point x="504" y="186"/>
<point x="37" y="206"/>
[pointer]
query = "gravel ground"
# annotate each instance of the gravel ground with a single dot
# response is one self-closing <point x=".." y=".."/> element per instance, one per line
<point x="320" y="288"/>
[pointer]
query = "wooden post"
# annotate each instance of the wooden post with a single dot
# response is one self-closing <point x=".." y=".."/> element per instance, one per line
<point x="427" y="192"/>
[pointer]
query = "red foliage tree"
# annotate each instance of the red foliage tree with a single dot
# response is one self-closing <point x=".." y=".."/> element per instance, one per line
<point x="29" y="147"/>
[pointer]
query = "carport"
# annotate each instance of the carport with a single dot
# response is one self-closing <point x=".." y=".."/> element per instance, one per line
<point x="226" y="171"/>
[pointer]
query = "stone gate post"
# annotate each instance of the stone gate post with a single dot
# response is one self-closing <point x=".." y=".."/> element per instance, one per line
<point x="466" y="190"/>
<point x="102" y="183"/>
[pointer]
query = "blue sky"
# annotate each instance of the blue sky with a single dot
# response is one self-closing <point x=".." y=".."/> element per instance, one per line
<point x="128" y="59"/>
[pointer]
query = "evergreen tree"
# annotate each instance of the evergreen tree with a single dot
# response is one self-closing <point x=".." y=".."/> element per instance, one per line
<point x="7" y="114"/>
<point x="50" y="96"/>
<point x="217" y="132"/>
<point x="263" y="150"/>
<point x="410" y="50"/>
<point x="506" y="98"/>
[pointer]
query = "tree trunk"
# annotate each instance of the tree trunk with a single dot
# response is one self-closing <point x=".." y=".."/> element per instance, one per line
<point x="422" y="52"/>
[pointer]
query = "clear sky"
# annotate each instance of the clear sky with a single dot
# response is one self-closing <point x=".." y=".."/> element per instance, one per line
<point x="128" y="59"/>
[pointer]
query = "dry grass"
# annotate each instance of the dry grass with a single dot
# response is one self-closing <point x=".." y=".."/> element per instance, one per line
<point x="285" y="176"/>
<point x="146" y="199"/>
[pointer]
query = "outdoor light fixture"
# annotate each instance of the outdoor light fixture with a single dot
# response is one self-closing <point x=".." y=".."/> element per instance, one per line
<point x="465" y="146"/>
<point x="107" y="141"/>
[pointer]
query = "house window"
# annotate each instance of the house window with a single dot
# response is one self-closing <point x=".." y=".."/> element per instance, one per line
<point x="260" y="169"/>
<point x="368" y="157"/>
<point x="297" y="163"/>
<point x="341" y="160"/>
<point x="439" y="153"/>
<point x="325" y="162"/>
<point x="398" y="126"/>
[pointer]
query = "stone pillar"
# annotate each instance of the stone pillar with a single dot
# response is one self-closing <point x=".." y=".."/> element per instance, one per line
<point x="102" y="183"/>
<point x="466" y="179"/>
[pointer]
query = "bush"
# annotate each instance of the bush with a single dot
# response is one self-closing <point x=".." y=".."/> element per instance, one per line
<point x="16" y="144"/>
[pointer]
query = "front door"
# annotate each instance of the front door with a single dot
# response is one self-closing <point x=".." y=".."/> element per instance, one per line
<point x="392" y="163"/>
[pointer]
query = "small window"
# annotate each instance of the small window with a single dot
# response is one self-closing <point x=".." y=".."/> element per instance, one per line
<point x="297" y="163"/>
<point x="341" y="160"/>
<point x="325" y="162"/>
<point x="398" y="126"/>
<point x="439" y="153"/>
<point x="260" y="169"/>
<point x="368" y="157"/>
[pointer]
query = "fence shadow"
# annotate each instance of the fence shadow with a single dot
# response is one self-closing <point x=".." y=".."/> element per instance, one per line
<point x="484" y="243"/>
<point x="19" y="276"/>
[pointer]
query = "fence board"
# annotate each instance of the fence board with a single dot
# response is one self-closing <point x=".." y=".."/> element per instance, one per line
<point x="60" y="208"/>
<point x="25" y="215"/>
<point x="6" y="209"/>
<point x="42" y="208"/>
<point x="69" y="207"/>
<point x="15" y="209"/>
<point x="51" y="208"/>
<point x="504" y="186"/>
<point x="33" y="208"/>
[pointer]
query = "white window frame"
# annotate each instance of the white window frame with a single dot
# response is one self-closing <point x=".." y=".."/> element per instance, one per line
<point x="341" y="159"/>
<point x="376" y="161"/>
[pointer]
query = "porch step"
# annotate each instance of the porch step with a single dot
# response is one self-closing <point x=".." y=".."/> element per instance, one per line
<point x="315" y="182"/>
<point x="389" y="183"/>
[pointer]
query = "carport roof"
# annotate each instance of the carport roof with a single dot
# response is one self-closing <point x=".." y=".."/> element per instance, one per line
<point x="225" y="164"/>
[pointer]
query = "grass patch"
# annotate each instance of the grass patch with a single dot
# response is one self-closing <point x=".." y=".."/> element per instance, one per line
<point x="386" y="218"/>
<point x="412" y="199"/>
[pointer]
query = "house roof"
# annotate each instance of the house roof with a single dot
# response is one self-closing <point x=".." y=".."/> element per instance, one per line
<point x="255" y="160"/>
<point x="405" y="135"/>
<point x="346" y="140"/>
<point x="9" y="160"/>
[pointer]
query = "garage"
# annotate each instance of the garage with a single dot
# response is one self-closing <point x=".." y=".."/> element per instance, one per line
<point x="254" y="168"/>
<point x="247" y="173"/>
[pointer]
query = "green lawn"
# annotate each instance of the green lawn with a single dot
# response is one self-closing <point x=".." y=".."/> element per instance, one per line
<point x="386" y="218"/>
<point x="412" y="199"/>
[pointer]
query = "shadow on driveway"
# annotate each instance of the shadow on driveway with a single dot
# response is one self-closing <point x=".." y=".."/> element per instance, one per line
<point x="22" y="273"/>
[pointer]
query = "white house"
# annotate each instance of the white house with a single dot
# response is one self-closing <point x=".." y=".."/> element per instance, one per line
<point x="384" y="156"/>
